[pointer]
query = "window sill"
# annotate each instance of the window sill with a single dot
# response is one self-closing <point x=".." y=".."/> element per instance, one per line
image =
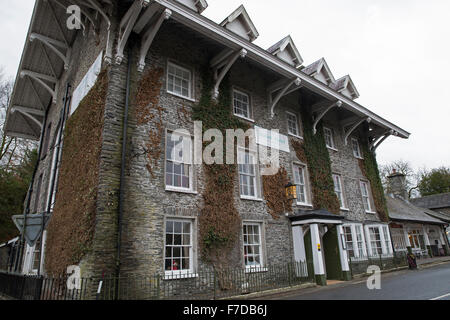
<point x="360" y="158"/>
<point x="304" y="204"/>
<point x="182" y="97"/>
<point x="295" y="136"/>
<point x="344" y="209"/>
<point x="251" y="199"/>
<point x="168" y="189"/>
<point x="333" y="149"/>
<point x="370" y="212"/>
<point x="255" y="269"/>
<point x="244" y="118"/>
<point x="178" y="276"/>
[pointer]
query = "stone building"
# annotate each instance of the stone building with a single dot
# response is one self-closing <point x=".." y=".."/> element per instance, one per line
<point x="151" y="66"/>
<point x="413" y="228"/>
<point x="438" y="205"/>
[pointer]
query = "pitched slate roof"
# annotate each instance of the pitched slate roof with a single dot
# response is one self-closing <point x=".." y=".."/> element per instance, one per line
<point x="339" y="84"/>
<point x="313" y="67"/>
<point x="400" y="209"/>
<point x="436" y="201"/>
<point x="287" y="44"/>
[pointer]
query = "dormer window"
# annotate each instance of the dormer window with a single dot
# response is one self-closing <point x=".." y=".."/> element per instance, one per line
<point x="196" y="5"/>
<point x="239" y="22"/>
<point x="346" y="87"/>
<point x="320" y="71"/>
<point x="286" y="51"/>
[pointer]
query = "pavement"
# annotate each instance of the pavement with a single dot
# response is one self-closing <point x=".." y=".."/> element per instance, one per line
<point x="431" y="281"/>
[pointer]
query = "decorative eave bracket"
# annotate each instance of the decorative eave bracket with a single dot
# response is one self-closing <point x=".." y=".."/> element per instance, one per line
<point x="377" y="142"/>
<point x="53" y="44"/>
<point x="353" y="128"/>
<point x="323" y="113"/>
<point x="29" y="113"/>
<point x="39" y="77"/>
<point x="149" y="36"/>
<point x="127" y="25"/>
<point x="283" y="89"/>
<point x="223" y="63"/>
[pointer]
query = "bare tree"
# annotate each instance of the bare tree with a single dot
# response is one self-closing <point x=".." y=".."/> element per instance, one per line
<point x="404" y="167"/>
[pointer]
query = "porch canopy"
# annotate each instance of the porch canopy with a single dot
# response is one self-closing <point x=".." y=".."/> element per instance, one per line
<point x="301" y="217"/>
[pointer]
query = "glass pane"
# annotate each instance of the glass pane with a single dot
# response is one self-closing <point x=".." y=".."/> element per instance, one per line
<point x="186" y="239"/>
<point x="169" y="227"/>
<point x="187" y="227"/>
<point x="168" y="252"/>
<point x="177" y="227"/>
<point x="168" y="266"/>
<point x="169" y="239"/>
<point x="177" y="252"/>
<point x="177" y="240"/>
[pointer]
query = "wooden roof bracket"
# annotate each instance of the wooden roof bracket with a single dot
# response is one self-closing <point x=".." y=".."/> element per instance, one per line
<point x="127" y="25"/>
<point x="284" y="90"/>
<point x="39" y="77"/>
<point x="224" y="66"/>
<point x="149" y="36"/>
<point x="376" y="143"/>
<point x="323" y="113"/>
<point x="53" y="44"/>
<point x="353" y="128"/>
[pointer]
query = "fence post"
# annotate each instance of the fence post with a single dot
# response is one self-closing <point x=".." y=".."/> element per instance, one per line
<point x="158" y="288"/>
<point x="215" y="288"/>
<point x="350" y="265"/>
<point x="381" y="262"/>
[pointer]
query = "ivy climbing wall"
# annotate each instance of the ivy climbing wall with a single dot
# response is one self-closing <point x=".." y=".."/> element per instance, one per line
<point x="71" y="228"/>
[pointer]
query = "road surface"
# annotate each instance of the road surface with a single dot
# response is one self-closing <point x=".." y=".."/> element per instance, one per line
<point x="430" y="283"/>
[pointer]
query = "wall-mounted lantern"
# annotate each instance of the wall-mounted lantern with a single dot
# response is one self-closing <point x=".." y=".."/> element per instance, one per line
<point x="291" y="191"/>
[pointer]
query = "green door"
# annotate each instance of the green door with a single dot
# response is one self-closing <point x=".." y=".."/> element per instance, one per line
<point x="332" y="255"/>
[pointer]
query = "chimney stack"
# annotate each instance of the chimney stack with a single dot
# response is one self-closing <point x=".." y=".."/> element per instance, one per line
<point x="397" y="185"/>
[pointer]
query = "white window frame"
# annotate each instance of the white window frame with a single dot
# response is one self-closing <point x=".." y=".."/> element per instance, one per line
<point x="261" y="266"/>
<point x="190" y="163"/>
<point x="249" y="107"/>
<point x="297" y="125"/>
<point x="256" y="178"/>
<point x="385" y="239"/>
<point x="295" y="167"/>
<point x="190" y="82"/>
<point x="356" y="153"/>
<point x="180" y="273"/>
<point x="367" y="197"/>
<point x="413" y="234"/>
<point x="360" y="252"/>
<point x="331" y="135"/>
<point x="337" y="179"/>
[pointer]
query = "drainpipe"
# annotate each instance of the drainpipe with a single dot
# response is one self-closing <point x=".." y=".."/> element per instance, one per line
<point x="122" y="172"/>
<point x="62" y="121"/>
<point x="21" y="246"/>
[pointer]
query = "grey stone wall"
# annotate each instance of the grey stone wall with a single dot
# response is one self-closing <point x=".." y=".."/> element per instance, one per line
<point x="344" y="163"/>
<point x="147" y="204"/>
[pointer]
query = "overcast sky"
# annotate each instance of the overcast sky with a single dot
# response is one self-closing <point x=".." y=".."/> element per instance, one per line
<point x="397" y="53"/>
